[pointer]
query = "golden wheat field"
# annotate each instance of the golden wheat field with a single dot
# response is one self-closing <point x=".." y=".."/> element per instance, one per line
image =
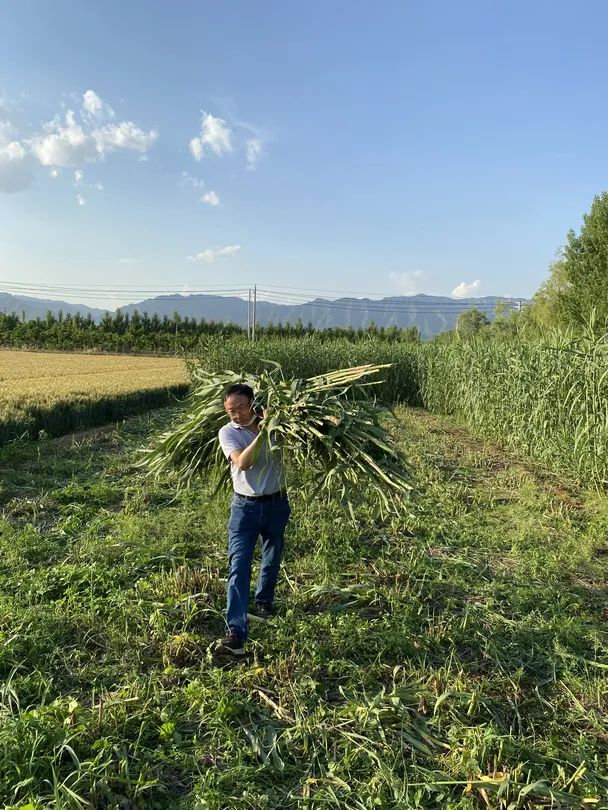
<point x="58" y="392"/>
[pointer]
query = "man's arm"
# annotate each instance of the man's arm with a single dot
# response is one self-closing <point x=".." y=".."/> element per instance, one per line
<point x="244" y="458"/>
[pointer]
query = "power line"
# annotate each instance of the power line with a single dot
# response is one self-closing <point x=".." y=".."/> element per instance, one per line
<point x="394" y="306"/>
<point x="217" y="288"/>
<point x="397" y="299"/>
<point x="117" y="287"/>
<point x="113" y="297"/>
<point x="398" y="307"/>
<point x="346" y="294"/>
<point x="25" y="289"/>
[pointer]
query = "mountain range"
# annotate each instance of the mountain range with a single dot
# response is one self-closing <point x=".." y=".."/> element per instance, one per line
<point x="430" y="313"/>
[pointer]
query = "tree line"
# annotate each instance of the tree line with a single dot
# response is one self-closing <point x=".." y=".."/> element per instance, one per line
<point x="153" y="334"/>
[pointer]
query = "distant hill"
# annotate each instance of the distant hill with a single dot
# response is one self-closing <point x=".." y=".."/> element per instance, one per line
<point x="38" y="307"/>
<point x="430" y="313"/>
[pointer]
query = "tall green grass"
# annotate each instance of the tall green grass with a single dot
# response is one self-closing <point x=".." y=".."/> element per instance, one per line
<point x="546" y="399"/>
<point x="309" y="356"/>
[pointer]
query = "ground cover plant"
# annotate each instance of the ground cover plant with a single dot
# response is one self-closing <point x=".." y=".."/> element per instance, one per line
<point x="457" y="660"/>
<point x="58" y="392"/>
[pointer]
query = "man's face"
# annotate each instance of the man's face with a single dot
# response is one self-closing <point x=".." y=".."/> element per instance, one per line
<point x="238" y="407"/>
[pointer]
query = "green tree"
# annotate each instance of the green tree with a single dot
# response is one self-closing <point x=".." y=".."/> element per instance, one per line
<point x="547" y="307"/>
<point x="579" y="278"/>
<point x="471" y="322"/>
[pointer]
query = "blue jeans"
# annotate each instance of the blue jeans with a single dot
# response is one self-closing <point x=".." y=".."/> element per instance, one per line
<point x="248" y="519"/>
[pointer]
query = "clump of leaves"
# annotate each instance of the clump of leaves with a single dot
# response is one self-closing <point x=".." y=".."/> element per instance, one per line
<point x="329" y="425"/>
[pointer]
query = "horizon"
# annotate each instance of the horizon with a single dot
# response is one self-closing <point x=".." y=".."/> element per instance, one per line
<point x="486" y="302"/>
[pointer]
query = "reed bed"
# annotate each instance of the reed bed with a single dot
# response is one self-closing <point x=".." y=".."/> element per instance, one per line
<point x="547" y="399"/>
<point x="310" y="357"/>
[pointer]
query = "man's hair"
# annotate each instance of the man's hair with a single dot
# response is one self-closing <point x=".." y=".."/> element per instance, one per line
<point x="239" y="388"/>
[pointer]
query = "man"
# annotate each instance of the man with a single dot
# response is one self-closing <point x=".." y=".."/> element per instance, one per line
<point x="259" y="507"/>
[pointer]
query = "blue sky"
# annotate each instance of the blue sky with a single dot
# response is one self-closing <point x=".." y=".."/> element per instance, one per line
<point x="388" y="148"/>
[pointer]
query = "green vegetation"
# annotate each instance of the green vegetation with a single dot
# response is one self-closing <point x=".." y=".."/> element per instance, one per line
<point x="576" y="289"/>
<point x="308" y="357"/>
<point x="457" y="661"/>
<point x="328" y="426"/>
<point x="151" y="334"/>
<point x="547" y="399"/>
<point x="471" y="322"/>
<point x="455" y="658"/>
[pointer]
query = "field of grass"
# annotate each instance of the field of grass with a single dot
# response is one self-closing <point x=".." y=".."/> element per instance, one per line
<point x="458" y="661"/>
<point x="59" y="392"/>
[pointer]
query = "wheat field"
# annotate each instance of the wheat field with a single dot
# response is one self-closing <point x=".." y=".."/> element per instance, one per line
<point x="58" y="392"/>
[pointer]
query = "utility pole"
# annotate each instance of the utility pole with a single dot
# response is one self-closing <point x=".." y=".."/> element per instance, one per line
<point x="249" y="315"/>
<point x="255" y="299"/>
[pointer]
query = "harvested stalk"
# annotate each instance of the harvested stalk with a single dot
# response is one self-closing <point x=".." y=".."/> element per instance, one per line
<point x="328" y="425"/>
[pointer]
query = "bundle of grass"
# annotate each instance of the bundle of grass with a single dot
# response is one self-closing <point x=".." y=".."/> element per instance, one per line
<point x="328" y="425"/>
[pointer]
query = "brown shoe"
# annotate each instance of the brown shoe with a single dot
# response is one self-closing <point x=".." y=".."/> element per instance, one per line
<point x="233" y="643"/>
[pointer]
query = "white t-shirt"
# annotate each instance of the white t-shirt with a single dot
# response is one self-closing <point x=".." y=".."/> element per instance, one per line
<point x="265" y="476"/>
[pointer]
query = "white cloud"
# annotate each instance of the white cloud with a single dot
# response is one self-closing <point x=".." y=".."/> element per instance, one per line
<point x="54" y="172"/>
<point x="125" y="135"/>
<point x="188" y="180"/>
<point x="409" y="282"/>
<point x="69" y="143"/>
<point x="211" y="198"/>
<point x="81" y="199"/>
<point x="211" y="254"/>
<point x="91" y="102"/>
<point x="98" y="186"/>
<point x="94" y="107"/>
<point x="64" y="144"/>
<point x="463" y="290"/>
<point x="223" y="135"/>
<point x="14" y="151"/>
<point x="15" y="172"/>
<point x="196" y="147"/>
<point x="254" y="150"/>
<point x="215" y="136"/>
<point x="78" y="175"/>
<point x="128" y="261"/>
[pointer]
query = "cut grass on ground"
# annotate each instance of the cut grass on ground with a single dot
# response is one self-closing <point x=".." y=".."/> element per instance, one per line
<point x="458" y="661"/>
